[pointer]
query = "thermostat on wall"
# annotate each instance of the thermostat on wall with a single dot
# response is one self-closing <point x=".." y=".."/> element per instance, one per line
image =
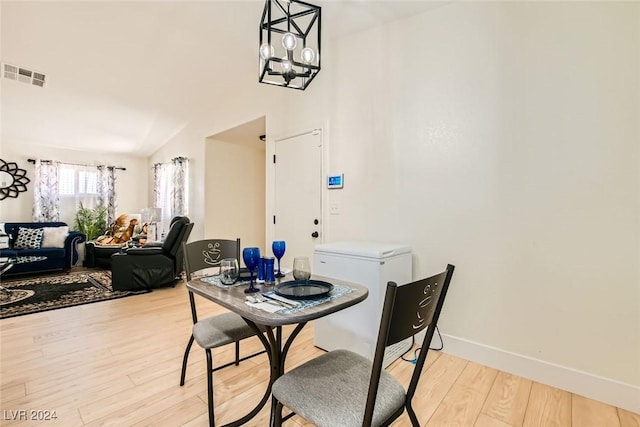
<point x="335" y="181"/>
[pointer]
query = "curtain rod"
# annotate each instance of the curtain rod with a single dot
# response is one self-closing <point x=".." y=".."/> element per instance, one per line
<point x="77" y="164"/>
<point x="172" y="160"/>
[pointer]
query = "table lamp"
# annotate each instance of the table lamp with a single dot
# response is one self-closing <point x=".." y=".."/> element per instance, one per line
<point x="151" y="216"/>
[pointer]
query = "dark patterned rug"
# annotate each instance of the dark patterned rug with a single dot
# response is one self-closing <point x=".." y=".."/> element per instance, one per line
<point x="38" y="294"/>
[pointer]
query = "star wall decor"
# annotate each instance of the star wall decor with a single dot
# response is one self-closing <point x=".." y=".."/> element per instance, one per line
<point x="13" y="180"/>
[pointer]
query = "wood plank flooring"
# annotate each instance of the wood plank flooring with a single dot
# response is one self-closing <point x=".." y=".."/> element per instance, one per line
<point x="117" y="363"/>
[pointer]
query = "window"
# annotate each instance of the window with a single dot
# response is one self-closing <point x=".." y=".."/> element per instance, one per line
<point x="77" y="185"/>
<point x="67" y="182"/>
<point x="77" y="181"/>
<point x="59" y="189"/>
<point x="87" y="182"/>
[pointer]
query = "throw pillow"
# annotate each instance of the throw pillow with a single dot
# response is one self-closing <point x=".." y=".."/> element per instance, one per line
<point x="29" y="238"/>
<point x="54" y="237"/>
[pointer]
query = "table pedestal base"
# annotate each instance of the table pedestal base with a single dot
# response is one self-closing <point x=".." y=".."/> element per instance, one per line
<point x="277" y="355"/>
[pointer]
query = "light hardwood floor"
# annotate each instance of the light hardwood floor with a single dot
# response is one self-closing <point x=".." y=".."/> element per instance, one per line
<point x="117" y="363"/>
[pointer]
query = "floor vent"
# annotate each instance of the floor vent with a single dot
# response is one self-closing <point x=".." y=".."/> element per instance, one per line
<point x="23" y="75"/>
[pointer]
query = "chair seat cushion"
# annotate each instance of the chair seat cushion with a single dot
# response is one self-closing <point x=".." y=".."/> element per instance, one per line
<point x="331" y="390"/>
<point x="220" y="330"/>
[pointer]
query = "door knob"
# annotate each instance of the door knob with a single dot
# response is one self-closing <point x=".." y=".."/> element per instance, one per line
<point x="315" y="234"/>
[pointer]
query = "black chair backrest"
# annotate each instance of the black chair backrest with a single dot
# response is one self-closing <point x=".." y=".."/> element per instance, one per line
<point x="179" y="258"/>
<point x="407" y="310"/>
<point x="208" y="253"/>
<point x="176" y="235"/>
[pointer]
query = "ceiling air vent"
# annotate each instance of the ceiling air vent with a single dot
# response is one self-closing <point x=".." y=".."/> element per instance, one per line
<point x="23" y="75"/>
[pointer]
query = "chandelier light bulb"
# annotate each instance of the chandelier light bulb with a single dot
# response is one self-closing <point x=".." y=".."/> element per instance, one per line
<point x="286" y="65"/>
<point x="289" y="41"/>
<point x="307" y="55"/>
<point x="266" y="51"/>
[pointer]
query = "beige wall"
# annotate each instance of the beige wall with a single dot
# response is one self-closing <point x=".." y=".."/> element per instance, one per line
<point x="132" y="185"/>
<point x="500" y="137"/>
<point x="235" y="191"/>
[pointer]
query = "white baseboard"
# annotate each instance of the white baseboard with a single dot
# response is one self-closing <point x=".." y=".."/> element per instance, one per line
<point x="616" y="393"/>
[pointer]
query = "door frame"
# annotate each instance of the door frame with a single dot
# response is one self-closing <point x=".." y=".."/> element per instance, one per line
<point x="270" y="198"/>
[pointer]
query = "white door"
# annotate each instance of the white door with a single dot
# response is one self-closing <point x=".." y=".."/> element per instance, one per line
<point x="298" y="195"/>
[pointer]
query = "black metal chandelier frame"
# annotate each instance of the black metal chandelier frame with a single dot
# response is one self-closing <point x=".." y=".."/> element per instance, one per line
<point x="305" y="25"/>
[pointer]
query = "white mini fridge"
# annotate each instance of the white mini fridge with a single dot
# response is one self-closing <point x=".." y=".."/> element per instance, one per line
<point x="371" y="264"/>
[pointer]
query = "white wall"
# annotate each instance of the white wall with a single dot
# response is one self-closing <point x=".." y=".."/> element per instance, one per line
<point x="131" y="185"/>
<point x="502" y="138"/>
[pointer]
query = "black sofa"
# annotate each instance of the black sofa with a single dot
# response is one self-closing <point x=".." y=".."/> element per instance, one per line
<point x="30" y="260"/>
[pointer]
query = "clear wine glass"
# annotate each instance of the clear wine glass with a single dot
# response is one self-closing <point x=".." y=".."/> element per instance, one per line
<point x="251" y="256"/>
<point x="229" y="271"/>
<point x="301" y="268"/>
<point x="278" y="248"/>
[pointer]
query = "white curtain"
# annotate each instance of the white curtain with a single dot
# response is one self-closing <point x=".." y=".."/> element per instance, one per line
<point x="46" y="197"/>
<point x="180" y="188"/>
<point x="107" y="191"/>
<point x="170" y="190"/>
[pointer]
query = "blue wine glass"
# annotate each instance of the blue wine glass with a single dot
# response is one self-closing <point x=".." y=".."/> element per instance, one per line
<point x="251" y="256"/>
<point x="278" y="248"/>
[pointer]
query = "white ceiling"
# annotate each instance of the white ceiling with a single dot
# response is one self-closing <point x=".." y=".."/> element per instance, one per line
<point x="124" y="77"/>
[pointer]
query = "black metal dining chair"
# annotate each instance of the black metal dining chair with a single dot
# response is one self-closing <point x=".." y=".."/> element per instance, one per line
<point x="219" y="330"/>
<point x="343" y="389"/>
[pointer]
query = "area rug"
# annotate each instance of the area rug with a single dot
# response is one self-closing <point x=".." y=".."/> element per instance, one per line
<point x="38" y="294"/>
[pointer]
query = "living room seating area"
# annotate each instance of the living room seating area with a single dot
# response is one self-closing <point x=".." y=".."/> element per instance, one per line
<point x="38" y="247"/>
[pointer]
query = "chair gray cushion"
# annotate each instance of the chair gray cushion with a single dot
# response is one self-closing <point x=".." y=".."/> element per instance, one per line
<point x="331" y="390"/>
<point x="220" y="330"/>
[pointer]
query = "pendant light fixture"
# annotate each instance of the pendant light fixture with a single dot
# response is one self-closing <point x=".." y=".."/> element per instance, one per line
<point x="289" y="43"/>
